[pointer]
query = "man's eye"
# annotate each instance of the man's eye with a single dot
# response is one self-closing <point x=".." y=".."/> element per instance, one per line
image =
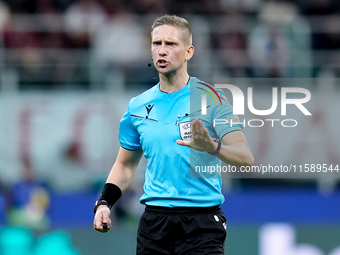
<point x="156" y="43"/>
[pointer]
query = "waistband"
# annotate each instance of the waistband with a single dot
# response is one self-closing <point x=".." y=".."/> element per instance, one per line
<point x="181" y="210"/>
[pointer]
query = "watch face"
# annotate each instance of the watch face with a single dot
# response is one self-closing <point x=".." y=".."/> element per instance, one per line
<point x="98" y="203"/>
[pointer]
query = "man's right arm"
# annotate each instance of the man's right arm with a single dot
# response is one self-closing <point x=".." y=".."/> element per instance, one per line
<point x="124" y="168"/>
<point x="120" y="175"/>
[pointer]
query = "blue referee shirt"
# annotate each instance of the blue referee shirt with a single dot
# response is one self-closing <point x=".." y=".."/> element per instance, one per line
<point x="154" y="121"/>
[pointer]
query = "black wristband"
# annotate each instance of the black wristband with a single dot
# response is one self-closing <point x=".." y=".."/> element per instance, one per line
<point x="110" y="193"/>
<point x="217" y="151"/>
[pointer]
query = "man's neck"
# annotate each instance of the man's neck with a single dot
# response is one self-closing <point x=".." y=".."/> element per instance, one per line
<point x="173" y="82"/>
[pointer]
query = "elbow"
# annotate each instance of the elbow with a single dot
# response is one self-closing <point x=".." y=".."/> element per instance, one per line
<point x="247" y="161"/>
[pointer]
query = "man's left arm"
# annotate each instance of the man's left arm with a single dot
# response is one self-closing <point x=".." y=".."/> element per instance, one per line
<point x="234" y="151"/>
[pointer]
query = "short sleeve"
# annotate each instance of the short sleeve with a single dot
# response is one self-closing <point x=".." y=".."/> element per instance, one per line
<point x="224" y="119"/>
<point x="128" y="137"/>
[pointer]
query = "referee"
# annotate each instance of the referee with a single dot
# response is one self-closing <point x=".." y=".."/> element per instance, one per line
<point x="167" y="125"/>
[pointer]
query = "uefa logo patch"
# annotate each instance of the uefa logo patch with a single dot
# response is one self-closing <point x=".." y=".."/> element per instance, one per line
<point x="185" y="131"/>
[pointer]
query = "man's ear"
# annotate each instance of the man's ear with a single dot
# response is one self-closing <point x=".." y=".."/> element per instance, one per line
<point x="190" y="52"/>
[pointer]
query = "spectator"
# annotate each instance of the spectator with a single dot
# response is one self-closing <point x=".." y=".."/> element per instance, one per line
<point x="113" y="7"/>
<point x="4" y="14"/>
<point x="149" y="7"/>
<point x="82" y="19"/>
<point x="326" y="35"/>
<point x="241" y="6"/>
<point x="116" y="52"/>
<point x="68" y="174"/>
<point x="30" y="200"/>
<point x="279" y="45"/>
<point x="232" y="44"/>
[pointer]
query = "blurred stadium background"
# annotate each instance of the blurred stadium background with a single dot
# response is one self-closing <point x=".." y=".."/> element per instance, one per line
<point x="67" y="71"/>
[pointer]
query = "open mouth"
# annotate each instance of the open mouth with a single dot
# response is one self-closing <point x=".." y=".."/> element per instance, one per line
<point x="162" y="63"/>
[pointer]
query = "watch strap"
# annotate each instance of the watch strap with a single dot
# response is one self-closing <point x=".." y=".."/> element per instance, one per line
<point x="217" y="151"/>
<point x="99" y="203"/>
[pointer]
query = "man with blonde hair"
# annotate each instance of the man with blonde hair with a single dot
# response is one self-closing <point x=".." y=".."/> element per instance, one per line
<point x="166" y="124"/>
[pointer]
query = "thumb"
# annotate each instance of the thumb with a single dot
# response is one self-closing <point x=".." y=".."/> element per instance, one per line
<point x="183" y="143"/>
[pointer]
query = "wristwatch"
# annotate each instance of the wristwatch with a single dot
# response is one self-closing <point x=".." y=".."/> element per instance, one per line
<point x="98" y="203"/>
<point x="217" y="151"/>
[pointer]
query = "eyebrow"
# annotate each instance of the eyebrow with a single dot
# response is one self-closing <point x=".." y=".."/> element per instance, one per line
<point x="167" y="41"/>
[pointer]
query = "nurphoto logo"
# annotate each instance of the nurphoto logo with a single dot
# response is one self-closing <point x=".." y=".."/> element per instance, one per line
<point x="239" y="105"/>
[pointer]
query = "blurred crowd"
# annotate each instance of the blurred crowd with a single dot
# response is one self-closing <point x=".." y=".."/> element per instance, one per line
<point x="249" y="38"/>
<point x="201" y="7"/>
<point x="88" y="14"/>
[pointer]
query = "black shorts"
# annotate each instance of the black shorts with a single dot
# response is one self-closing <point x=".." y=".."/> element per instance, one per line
<point x="181" y="231"/>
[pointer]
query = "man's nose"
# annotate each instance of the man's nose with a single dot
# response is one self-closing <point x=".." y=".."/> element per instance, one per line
<point x="162" y="50"/>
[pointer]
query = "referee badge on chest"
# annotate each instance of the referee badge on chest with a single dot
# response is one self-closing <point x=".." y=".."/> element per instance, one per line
<point x="185" y="131"/>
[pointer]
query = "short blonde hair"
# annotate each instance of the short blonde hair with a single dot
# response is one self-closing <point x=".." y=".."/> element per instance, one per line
<point x="175" y="21"/>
